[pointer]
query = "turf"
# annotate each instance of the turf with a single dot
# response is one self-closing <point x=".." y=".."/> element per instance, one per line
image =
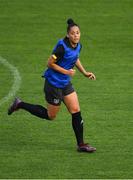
<point x="32" y="148"/>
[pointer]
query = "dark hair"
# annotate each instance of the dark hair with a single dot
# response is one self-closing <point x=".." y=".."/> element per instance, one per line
<point x="71" y="23"/>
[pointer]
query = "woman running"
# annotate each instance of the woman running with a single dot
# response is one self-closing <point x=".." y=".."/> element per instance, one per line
<point x="58" y="86"/>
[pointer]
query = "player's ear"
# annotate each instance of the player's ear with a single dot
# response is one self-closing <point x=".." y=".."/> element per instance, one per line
<point x="67" y="35"/>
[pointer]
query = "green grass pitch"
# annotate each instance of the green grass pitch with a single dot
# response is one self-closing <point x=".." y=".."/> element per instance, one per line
<point x="33" y="148"/>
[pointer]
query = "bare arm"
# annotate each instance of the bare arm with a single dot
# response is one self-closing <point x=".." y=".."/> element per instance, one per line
<point x="52" y="64"/>
<point x="80" y="67"/>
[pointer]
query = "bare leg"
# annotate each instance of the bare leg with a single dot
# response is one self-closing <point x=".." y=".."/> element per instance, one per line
<point x="72" y="103"/>
<point x="52" y="111"/>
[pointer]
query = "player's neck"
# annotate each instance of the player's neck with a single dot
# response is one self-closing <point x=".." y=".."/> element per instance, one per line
<point x="73" y="44"/>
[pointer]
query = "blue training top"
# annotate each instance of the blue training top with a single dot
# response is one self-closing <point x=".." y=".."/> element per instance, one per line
<point x="67" y="62"/>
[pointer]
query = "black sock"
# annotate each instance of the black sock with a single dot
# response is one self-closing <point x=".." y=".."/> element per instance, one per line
<point x="77" y="124"/>
<point x="36" y="110"/>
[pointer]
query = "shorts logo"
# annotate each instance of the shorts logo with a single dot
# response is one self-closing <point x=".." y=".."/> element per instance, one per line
<point x="56" y="101"/>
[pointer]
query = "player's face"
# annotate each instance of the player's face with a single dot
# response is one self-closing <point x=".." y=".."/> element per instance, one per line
<point x="74" y="35"/>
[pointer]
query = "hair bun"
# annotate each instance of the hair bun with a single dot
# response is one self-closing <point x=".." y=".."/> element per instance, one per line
<point x="70" y="21"/>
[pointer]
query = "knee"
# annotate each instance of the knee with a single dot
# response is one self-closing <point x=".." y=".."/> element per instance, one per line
<point x="52" y="111"/>
<point x="75" y="109"/>
<point x="51" y="116"/>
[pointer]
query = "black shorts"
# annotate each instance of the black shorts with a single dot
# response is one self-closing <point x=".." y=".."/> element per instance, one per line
<point x="55" y="95"/>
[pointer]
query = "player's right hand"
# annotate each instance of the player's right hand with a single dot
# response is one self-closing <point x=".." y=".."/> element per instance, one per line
<point x="71" y="72"/>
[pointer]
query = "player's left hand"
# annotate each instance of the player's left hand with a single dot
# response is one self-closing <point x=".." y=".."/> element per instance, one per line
<point x="90" y="75"/>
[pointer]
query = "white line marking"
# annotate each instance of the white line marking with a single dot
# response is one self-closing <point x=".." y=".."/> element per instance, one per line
<point x="16" y="83"/>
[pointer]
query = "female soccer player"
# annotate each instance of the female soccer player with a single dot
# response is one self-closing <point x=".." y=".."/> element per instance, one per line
<point x="58" y="86"/>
